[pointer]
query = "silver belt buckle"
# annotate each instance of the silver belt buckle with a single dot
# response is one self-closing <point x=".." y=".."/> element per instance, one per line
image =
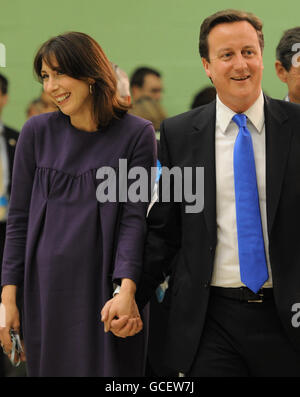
<point x="257" y="300"/>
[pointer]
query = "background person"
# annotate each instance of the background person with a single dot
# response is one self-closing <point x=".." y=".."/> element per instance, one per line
<point x="62" y="244"/>
<point x="204" y="96"/>
<point x="34" y="108"/>
<point x="42" y="104"/>
<point x="8" y="140"/>
<point x="286" y="71"/>
<point x="146" y="82"/>
<point x="149" y="109"/>
<point x="122" y="83"/>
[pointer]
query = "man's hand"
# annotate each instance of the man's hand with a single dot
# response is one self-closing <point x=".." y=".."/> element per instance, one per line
<point x="120" y="314"/>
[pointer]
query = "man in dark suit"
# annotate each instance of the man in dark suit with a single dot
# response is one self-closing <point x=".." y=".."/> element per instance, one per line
<point x="287" y="63"/>
<point x="8" y="140"/>
<point x="235" y="287"/>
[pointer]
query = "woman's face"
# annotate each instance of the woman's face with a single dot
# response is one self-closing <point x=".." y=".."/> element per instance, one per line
<point x="72" y="96"/>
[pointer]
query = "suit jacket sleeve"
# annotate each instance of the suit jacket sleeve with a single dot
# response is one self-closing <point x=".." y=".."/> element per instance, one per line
<point x="163" y="236"/>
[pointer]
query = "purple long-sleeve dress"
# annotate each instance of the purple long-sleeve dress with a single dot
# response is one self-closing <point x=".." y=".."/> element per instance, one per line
<point x="67" y="247"/>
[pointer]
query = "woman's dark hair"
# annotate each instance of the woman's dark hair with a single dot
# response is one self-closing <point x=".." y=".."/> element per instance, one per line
<point x="227" y="16"/>
<point x="81" y="57"/>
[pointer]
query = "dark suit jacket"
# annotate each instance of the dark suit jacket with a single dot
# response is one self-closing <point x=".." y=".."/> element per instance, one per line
<point x="11" y="137"/>
<point x="189" y="140"/>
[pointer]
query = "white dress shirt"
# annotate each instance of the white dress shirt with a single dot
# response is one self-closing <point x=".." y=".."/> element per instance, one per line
<point x="226" y="272"/>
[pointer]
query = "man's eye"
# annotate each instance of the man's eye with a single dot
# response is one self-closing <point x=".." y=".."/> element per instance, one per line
<point x="226" y="56"/>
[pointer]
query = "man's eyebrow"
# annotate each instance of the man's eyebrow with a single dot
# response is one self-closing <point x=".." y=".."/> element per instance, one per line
<point x="225" y="49"/>
<point x="231" y="49"/>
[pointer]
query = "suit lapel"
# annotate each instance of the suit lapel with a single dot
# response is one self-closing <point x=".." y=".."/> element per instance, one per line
<point x="203" y="155"/>
<point x="278" y="136"/>
<point x="202" y="142"/>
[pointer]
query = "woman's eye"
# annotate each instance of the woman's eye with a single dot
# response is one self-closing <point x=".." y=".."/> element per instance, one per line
<point x="44" y="76"/>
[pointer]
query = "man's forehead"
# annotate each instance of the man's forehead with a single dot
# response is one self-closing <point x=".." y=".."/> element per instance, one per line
<point x="152" y="79"/>
<point x="231" y="35"/>
<point x="235" y="30"/>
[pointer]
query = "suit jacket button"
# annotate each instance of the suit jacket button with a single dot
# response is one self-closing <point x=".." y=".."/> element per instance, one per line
<point x="206" y="285"/>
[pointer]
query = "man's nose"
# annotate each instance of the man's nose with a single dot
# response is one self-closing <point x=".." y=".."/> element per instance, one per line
<point x="240" y="63"/>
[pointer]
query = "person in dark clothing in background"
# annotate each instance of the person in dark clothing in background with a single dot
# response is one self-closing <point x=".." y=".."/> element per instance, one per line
<point x="8" y="140"/>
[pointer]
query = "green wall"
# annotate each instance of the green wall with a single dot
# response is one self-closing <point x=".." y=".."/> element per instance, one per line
<point x="158" y="33"/>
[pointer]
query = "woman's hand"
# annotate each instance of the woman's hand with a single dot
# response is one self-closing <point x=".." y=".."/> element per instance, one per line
<point x="12" y="321"/>
<point x="120" y="314"/>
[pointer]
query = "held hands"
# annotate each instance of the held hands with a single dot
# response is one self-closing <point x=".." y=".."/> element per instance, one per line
<point x="120" y="314"/>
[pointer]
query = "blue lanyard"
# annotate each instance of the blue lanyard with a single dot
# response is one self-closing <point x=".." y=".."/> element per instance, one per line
<point x="158" y="171"/>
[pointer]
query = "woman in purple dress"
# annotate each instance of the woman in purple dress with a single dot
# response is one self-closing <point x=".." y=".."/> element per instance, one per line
<point x="64" y="246"/>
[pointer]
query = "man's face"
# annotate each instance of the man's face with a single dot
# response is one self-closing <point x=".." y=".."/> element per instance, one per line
<point x="292" y="79"/>
<point x="235" y="65"/>
<point x="152" y="88"/>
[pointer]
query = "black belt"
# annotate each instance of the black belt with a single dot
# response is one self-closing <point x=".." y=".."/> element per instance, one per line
<point x="243" y="294"/>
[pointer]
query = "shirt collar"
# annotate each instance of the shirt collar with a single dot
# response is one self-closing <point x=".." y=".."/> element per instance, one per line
<point x="255" y="114"/>
<point x="287" y="99"/>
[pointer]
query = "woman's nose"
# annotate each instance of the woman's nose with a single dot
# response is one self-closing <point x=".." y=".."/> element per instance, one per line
<point x="51" y="85"/>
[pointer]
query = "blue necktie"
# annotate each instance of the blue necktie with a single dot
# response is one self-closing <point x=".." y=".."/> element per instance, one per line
<point x="253" y="266"/>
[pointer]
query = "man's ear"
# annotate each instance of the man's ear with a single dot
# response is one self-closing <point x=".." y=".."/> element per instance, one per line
<point x="206" y="65"/>
<point x="3" y="100"/>
<point x="135" y="92"/>
<point x="281" y="71"/>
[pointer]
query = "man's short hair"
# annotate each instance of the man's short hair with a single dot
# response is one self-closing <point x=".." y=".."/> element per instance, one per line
<point x="138" y="76"/>
<point x="3" y="84"/>
<point x="284" y="52"/>
<point x="227" y="16"/>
